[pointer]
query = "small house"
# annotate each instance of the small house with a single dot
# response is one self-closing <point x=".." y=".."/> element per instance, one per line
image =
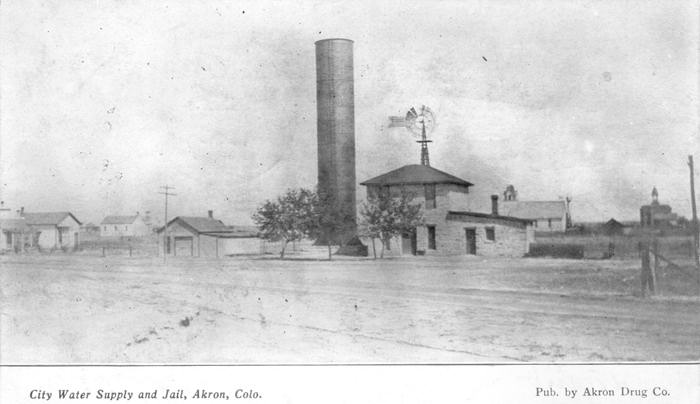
<point x="123" y="226"/>
<point x="54" y="230"/>
<point x="14" y="233"/>
<point x="191" y="236"/>
<point x="613" y="228"/>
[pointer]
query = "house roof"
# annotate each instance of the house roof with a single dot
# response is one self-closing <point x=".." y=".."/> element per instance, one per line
<point x="613" y="222"/>
<point x="534" y="209"/>
<point x="53" y="218"/>
<point x="119" y="219"/>
<point x="489" y="216"/>
<point x="13" y="225"/>
<point x="200" y="224"/>
<point x="416" y="174"/>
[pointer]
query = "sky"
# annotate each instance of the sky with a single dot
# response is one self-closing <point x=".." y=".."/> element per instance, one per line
<point x="103" y="102"/>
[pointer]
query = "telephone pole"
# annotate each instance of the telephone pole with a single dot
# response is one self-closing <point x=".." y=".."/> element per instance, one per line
<point x="696" y="236"/>
<point x="166" y="192"/>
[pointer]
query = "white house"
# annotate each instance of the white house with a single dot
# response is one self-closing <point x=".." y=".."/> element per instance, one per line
<point x="124" y="226"/>
<point x="547" y="216"/>
<point x="54" y="230"/>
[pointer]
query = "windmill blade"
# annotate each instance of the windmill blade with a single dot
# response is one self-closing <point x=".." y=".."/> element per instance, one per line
<point x="397" y="122"/>
<point x="411" y="114"/>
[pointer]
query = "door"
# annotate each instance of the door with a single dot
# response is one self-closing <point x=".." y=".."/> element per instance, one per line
<point x="75" y="241"/>
<point x="184" y="246"/>
<point x="470" y="235"/>
<point x="409" y="243"/>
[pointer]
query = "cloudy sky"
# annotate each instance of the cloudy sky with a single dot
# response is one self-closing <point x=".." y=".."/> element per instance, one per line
<point x="102" y="102"/>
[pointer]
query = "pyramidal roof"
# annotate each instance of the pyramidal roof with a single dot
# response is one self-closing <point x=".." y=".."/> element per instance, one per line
<point x="416" y="174"/>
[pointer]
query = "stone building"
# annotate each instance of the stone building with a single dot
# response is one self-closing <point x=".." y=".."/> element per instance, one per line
<point x="656" y="215"/>
<point x="450" y="227"/>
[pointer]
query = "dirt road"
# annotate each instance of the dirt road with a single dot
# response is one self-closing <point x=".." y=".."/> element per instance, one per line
<point x="87" y="310"/>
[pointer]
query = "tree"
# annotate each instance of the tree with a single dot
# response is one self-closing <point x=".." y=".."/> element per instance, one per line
<point x="287" y="219"/>
<point x="326" y="223"/>
<point x="385" y="216"/>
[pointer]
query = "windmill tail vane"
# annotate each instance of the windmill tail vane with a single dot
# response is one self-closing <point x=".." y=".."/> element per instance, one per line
<point x="397" y="122"/>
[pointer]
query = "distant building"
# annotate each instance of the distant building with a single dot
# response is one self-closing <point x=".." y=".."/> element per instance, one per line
<point x="54" y="230"/>
<point x="450" y="227"/>
<point x="207" y="237"/>
<point x="614" y="228"/>
<point x="547" y="216"/>
<point x="656" y="215"/>
<point x="13" y="230"/>
<point x="123" y="226"/>
<point x="90" y="228"/>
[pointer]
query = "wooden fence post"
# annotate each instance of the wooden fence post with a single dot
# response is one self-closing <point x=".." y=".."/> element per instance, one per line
<point x="655" y="268"/>
<point x="644" y="251"/>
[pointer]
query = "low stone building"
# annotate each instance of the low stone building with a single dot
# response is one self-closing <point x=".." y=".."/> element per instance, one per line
<point x="189" y="236"/>
<point x="450" y="228"/>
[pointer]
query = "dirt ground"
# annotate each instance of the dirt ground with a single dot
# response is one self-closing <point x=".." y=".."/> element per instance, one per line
<point x="81" y="309"/>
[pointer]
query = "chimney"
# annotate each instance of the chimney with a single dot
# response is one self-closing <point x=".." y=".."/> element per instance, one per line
<point x="210" y="213"/>
<point x="494" y="205"/>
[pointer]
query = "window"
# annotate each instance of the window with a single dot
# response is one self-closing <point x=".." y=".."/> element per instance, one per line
<point x="126" y="227"/>
<point x="115" y="228"/>
<point x="490" y="234"/>
<point x="429" y="196"/>
<point x="431" y="237"/>
<point x="384" y="191"/>
<point x="549" y="223"/>
<point x="167" y="245"/>
<point x="105" y="228"/>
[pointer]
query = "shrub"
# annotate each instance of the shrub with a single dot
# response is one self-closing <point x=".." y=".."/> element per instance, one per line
<point x="556" y="250"/>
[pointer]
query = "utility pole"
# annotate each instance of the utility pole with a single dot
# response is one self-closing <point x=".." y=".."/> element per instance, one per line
<point x="696" y="236"/>
<point x="166" y="192"/>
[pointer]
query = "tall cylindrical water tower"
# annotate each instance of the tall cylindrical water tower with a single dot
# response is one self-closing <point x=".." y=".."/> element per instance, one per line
<point x="336" y="130"/>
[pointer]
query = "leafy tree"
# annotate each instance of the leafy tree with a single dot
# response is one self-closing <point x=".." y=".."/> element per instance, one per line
<point x="385" y="216"/>
<point x="327" y="223"/>
<point x="288" y="219"/>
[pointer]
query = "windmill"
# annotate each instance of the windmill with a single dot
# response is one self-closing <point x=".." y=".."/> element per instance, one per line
<point x="420" y="124"/>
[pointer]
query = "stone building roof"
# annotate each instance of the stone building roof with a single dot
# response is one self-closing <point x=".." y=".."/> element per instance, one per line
<point x="486" y="218"/>
<point x="416" y="174"/>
